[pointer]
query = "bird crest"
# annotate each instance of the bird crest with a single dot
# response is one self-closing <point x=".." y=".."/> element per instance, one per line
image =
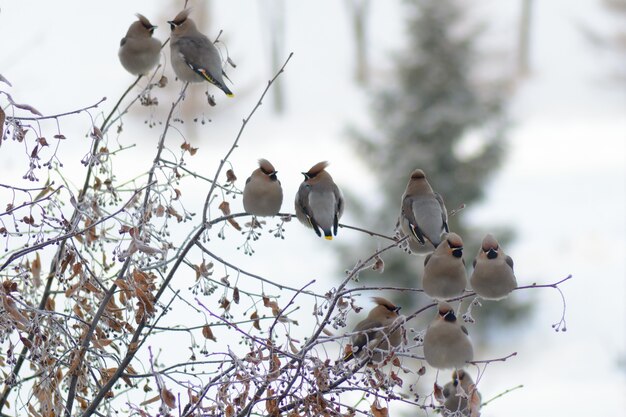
<point x="386" y="303"/>
<point x="316" y="169"/>
<point x="266" y="166"/>
<point x="181" y="17"/>
<point x="418" y="174"/>
<point x="489" y="242"/>
<point x="144" y="21"/>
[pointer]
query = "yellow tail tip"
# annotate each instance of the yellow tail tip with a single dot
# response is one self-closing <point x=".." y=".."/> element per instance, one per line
<point x="328" y="237"/>
<point x="231" y="95"/>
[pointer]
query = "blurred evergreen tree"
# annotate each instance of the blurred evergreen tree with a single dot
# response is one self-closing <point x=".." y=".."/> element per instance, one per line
<point x="421" y="120"/>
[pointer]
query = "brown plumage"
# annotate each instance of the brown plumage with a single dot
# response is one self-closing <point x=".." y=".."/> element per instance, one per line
<point x="319" y="203"/>
<point x="374" y="332"/>
<point x="423" y="215"/>
<point x="493" y="277"/>
<point x="446" y="343"/>
<point x="461" y="397"/>
<point x="444" y="269"/>
<point x="139" y="52"/>
<point x="194" y="57"/>
<point x="263" y="194"/>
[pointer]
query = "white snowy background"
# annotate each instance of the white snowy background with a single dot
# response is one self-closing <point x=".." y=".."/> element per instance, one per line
<point x="562" y="186"/>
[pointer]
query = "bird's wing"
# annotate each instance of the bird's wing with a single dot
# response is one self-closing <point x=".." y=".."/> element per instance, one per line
<point x="444" y="211"/>
<point x="509" y="261"/>
<point x="339" y="209"/>
<point x="407" y="211"/>
<point x="200" y="55"/>
<point x="303" y="200"/>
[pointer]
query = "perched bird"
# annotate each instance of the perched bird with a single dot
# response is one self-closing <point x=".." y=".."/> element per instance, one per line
<point x="194" y="57"/>
<point x="263" y="195"/>
<point x="493" y="277"/>
<point x="446" y="343"/>
<point x="139" y="52"/>
<point x="319" y="202"/>
<point x="444" y="269"/>
<point x="374" y="332"/>
<point x="461" y="397"/>
<point x="423" y="215"/>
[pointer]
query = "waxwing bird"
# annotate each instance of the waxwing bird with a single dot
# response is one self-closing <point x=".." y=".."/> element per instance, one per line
<point x="423" y="215"/>
<point x="444" y="269"/>
<point x="319" y="202"/>
<point x="194" y="57"/>
<point x="446" y="342"/>
<point x="262" y="194"/>
<point x="461" y="396"/>
<point x="139" y="52"/>
<point x="374" y="330"/>
<point x="493" y="277"/>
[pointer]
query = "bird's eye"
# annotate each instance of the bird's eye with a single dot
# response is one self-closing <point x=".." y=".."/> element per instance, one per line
<point x="457" y="253"/>
<point x="172" y="26"/>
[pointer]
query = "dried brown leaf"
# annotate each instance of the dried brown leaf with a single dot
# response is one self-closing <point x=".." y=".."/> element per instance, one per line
<point x="379" y="265"/>
<point x="271" y="404"/>
<point x="224" y="207"/>
<point x="208" y="333"/>
<point x="168" y="398"/>
<point x="35" y="269"/>
<point x="162" y="81"/>
<point x="255" y="316"/>
<point x="438" y="393"/>
<point x="378" y="410"/>
<point x="151" y="400"/>
<point x="225" y="303"/>
<point x="236" y="295"/>
<point x="234" y="224"/>
<point x="186" y="146"/>
<point x="230" y="176"/>
<point x="474" y="401"/>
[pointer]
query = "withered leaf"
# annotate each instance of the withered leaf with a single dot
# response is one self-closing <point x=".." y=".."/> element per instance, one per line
<point x="186" y="146"/>
<point x="378" y="410"/>
<point x="396" y="378"/>
<point x="162" y="81"/>
<point x="255" y="316"/>
<point x="225" y="303"/>
<point x="230" y="176"/>
<point x="208" y="333"/>
<point x="168" y="398"/>
<point x="234" y="224"/>
<point x="35" y="269"/>
<point x="379" y="265"/>
<point x="224" y="207"/>
<point x="438" y="393"/>
<point x="151" y="400"/>
<point x="236" y="295"/>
